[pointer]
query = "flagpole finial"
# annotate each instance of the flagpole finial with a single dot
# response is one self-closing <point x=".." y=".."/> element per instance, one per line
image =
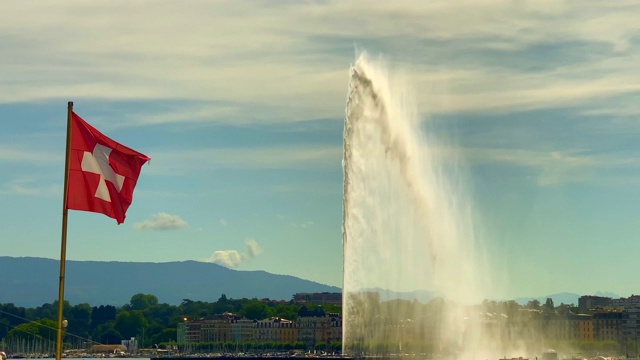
<point x="70" y="103"/>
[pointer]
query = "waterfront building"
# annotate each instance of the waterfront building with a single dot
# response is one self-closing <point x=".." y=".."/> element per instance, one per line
<point x="631" y="325"/>
<point x="335" y="333"/>
<point x="288" y="331"/>
<point x="312" y="327"/>
<point x="562" y="327"/>
<point x="193" y="334"/>
<point x="569" y="327"/>
<point x="181" y="333"/>
<point x="323" y="298"/>
<point x="315" y="326"/>
<point x="607" y="326"/>
<point x="242" y="330"/>
<point x="217" y="329"/>
<point x="275" y="330"/>
<point x="585" y="327"/>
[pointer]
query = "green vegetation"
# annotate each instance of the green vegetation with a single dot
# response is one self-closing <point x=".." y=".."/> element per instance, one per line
<point x="144" y="318"/>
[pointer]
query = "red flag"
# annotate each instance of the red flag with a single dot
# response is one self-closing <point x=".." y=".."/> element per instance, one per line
<point x="102" y="172"/>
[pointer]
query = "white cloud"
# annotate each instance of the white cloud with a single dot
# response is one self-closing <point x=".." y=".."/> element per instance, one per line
<point x="228" y="258"/>
<point x="253" y="248"/>
<point x="233" y="258"/>
<point x="161" y="221"/>
<point x="224" y="222"/>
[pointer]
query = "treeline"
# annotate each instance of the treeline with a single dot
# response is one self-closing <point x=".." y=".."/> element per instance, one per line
<point x="144" y="318"/>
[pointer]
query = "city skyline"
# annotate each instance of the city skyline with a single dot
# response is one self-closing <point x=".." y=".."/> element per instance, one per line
<point x="240" y="106"/>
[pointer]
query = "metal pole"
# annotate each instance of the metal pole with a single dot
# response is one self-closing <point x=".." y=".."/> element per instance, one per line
<point x="63" y="246"/>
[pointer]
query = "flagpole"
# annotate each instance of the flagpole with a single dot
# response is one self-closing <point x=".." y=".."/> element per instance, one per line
<point x="63" y="246"/>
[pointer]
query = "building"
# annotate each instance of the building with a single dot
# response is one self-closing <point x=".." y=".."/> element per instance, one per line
<point x="216" y="329"/>
<point x="316" y="326"/>
<point x="588" y="303"/>
<point x="181" y="333"/>
<point x="131" y="344"/>
<point x="275" y="330"/>
<point x="242" y="330"/>
<point x="586" y="330"/>
<point x="631" y="325"/>
<point x="632" y="301"/>
<point x="108" y="349"/>
<point x="607" y="326"/>
<point x="335" y="333"/>
<point x="312" y="327"/>
<point x="569" y="327"/>
<point x="323" y="298"/>
<point x="192" y="331"/>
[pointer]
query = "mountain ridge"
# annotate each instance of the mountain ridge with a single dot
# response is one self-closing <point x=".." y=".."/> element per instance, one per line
<point x="32" y="281"/>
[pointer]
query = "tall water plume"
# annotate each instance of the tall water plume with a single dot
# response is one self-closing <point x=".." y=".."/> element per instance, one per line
<point x="408" y="225"/>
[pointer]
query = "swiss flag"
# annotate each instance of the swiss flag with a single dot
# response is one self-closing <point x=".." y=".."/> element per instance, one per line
<point x="102" y="172"/>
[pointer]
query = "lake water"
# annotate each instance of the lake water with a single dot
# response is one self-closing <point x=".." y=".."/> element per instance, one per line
<point x="53" y="358"/>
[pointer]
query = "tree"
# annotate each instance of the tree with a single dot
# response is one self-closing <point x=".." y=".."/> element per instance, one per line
<point x="223" y="305"/>
<point x="42" y="329"/>
<point x="165" y="313"/>
<point x="143" y="301"/>
<point x="129" y="323"/>
<point x="286" y="311"/>
<point x="16" y="314"/>
<point x="104" y="332"/>
<point x="111" y="336"/>
<point x="46" y="311"/>
<point x="164" y="336"/>
<point x="4" y="327"/>
<point x="548" y="305"/>
<point x="533" y="304"/>
<point x="194" y="308"/>
<point x="102" y="314"/>
<point x="80" y="320"/>
<point x="255" y="311"/>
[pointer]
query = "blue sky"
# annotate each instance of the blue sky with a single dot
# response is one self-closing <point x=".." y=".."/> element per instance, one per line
<point x="240" y="105"/>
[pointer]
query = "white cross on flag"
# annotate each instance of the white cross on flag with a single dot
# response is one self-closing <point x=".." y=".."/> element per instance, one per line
<point x="102" y="172"/>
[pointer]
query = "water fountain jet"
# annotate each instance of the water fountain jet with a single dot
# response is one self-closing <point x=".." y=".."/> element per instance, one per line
<point x="407" y="226"/>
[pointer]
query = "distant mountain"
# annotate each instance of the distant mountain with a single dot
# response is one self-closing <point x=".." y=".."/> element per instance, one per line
<point x="31" y="282"/>
<point x="423" y="296"/>
<point x="607" y="294"/>
<point x="560" y="298"/>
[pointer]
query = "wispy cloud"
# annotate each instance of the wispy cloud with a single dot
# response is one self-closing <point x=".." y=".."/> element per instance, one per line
<point x="253" y="248"/>
<point x="297" y="70"/>
<point x="161" y="221"/>
<point x="558" y="167"/>
<point x="30" y="187"/>
<point x="302" y="225"/>
<point x="223" y="222"/>
<point x="30" y="156"/>
<point x="233" y="258"/>
<point x="173" y="162"/>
